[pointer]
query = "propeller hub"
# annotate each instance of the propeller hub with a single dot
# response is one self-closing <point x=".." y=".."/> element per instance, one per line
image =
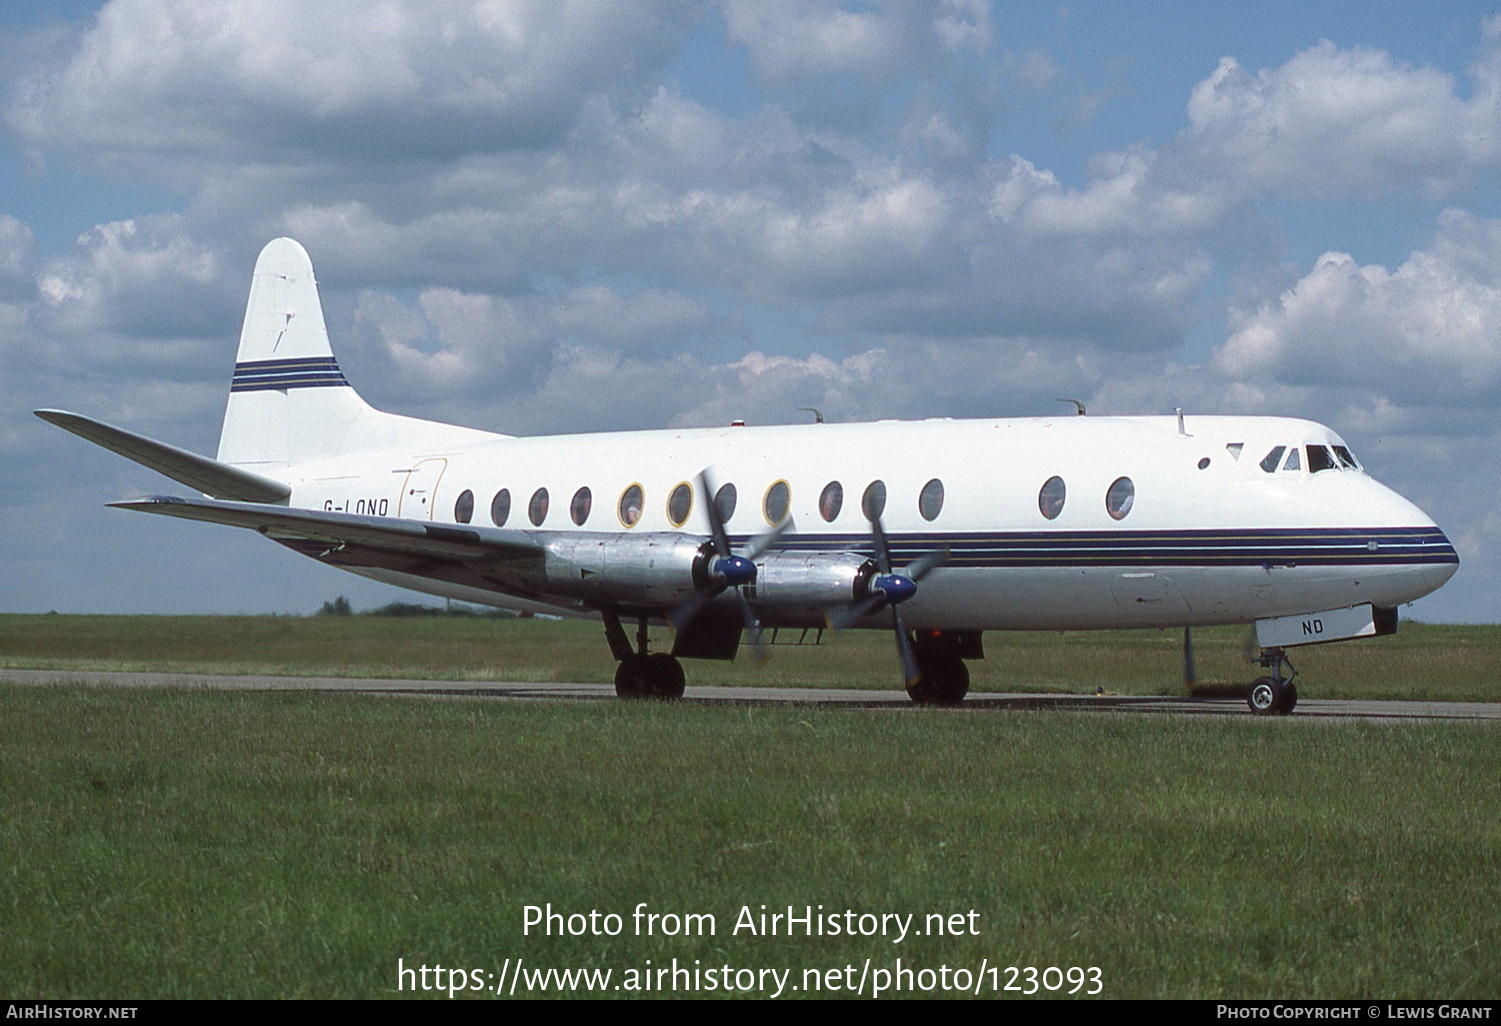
<point x="894" y="588"/>
<point x="733" y="571"/>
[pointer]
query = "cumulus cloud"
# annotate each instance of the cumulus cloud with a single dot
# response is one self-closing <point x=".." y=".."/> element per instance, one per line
<point x="1426" y="333"/>
<point x="158" y="81"/>
<point x="1333" y="121"/>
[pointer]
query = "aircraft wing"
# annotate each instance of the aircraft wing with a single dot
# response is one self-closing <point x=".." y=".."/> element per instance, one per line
<point x="350" y="533"/>
<point x="208" y="476"/>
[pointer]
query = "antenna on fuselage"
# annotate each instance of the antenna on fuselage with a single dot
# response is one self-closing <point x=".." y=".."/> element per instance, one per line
<point x="1077" y="405"/>
<point x="817" y="416"/>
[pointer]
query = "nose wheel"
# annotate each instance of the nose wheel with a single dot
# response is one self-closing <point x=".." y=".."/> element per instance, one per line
<point x="1274" y="695"/>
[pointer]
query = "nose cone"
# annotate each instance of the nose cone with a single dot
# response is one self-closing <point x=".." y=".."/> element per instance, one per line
<point x="1418" y="556"/>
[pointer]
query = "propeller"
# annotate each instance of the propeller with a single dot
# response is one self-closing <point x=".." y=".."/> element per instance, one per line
<point x="726" y="570"/>
<point x="1190" y="666"/>
<point x="888" y="588"/>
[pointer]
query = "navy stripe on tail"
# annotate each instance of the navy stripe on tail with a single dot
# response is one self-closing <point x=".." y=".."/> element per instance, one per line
<point x="268" y="375"/>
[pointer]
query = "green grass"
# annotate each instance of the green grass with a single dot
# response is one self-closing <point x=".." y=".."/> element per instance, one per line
<point x="200" y="844"/>
<point x="1441" y="663"/>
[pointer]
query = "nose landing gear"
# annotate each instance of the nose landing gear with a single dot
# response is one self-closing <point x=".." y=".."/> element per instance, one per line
<point x="1275" y="694"/>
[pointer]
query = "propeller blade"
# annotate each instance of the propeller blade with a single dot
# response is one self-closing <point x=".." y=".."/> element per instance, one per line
<point x="911" y="672"/>
<point x="1190" y="669"/>
<point x="883" y="553"/>
<point x="762" y="542"/>
<point x="841" y="618"/>
<point x="923" y="565"/>
<point x="711" y="510"/>
<point x="753" y="631"/>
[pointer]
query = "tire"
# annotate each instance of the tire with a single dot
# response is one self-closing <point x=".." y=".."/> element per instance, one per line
<point x="633" y="677"/>
<point x="667" y="675"/>
<point x="943" y="682"/>
<point x="1269" y="697"/>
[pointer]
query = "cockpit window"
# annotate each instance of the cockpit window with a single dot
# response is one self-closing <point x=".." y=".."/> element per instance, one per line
<point x="1294" y="460"/>
<point x="1272" y="460"/>
<point x="1320" y="458"/>
<point x="1346" y="457"/>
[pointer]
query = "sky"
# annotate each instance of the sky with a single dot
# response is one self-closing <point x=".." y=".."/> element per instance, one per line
<point x="557" y="216"/>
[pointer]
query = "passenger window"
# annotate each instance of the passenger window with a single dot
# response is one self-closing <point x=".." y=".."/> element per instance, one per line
<point x="1050" y="498"/>
<point x="463" y="508"/>
<point x="873" y="502"/>
<point x="680" y="504"/>
<point x="578" y="509"/>
<point x="775" y="505"/>
<point x="725" y="499"/>
<point x="930" y="500"/>
<point x="1120" y="498"/>
<point x="537" y="508"/>
<point x="500" y="507"/>
<point x="1272" y="460"/>
<point x="831" y="501"/>
<point x="1320" y="458"/>
<point x="632" y="501"/>
<point x="1294" y="461"/>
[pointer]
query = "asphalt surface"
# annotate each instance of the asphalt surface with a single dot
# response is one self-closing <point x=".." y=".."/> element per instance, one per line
<point x="835" y="697"/>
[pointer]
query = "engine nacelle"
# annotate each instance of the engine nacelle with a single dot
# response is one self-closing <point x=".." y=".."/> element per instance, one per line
<point x="633" y="569"/>
<point x="800" y="589"/>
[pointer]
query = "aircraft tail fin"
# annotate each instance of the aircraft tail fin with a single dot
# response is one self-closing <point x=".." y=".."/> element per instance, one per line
<point x="289" y="402"/>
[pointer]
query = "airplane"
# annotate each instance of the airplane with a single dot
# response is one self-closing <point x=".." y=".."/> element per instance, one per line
<point x="937" y="530"/>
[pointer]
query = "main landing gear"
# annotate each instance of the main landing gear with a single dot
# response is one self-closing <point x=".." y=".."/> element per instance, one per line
<point x="1275" y="694"/>
<point x="642" y="674"/>
<point x="942" y="676"/>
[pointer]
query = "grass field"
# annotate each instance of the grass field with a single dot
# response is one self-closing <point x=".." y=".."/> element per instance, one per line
<point x="205" y="844"/>
<point x="1442" y="663"/>
<point x="198" y="844"/>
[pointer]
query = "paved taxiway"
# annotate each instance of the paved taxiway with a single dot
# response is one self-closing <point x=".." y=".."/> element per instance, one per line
<point x="845" y="697"/>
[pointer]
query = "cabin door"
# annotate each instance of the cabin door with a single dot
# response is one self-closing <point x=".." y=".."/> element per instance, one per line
<point x="420" y="490"/>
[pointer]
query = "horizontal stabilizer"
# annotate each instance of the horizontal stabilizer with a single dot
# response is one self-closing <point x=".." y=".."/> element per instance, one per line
<point x="208" y="476"/>
<point x="446" y="542"/>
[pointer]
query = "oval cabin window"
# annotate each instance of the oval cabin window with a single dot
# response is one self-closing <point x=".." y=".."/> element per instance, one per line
<point x="873" y="502"/>
<point x="725" y="499"/>
<point x="831" y="501"/>
<point x="680" y="504"/>
<point x="778" y="500"/>
<point x="1120" y="498"/>
<point x="463" y="508"/>
<point x="583" y="502"/>
<point x="537" y="509"/>
<point x="632" y="502"/>
<point x="500" y="507"/>
<point x="1050" y="499"/>
<point x="930" y="500"/>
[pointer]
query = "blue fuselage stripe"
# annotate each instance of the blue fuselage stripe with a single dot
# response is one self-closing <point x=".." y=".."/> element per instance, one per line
<point x="1209" y="548"/>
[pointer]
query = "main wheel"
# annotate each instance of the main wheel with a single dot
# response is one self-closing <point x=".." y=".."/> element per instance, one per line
<point x="634" y="677"/>
<point x="667" y="675"/>
<point x="942" y="682"/>
<point x="1271" y="697"/>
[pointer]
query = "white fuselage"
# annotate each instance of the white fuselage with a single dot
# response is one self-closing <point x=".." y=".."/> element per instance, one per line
<point x="1208" y="535"/>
